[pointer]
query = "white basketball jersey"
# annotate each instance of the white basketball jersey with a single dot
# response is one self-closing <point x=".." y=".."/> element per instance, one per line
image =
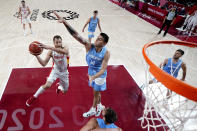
<point x="193" y="20"/>
<point x="195" y="16"/>
<point x="24" y="11"/>
<point x="60" y="61"/>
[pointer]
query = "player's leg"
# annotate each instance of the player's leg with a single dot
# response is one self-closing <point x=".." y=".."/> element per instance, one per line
<point x="90" y="36"/>
<point x="167" y="28"/>
<point x="30" y="26"/>
<point x="183" y="27"/>
<point x="38" y="92"/>
<point x="92" y="110"/>
<point x="164" y="24"/>
<point x="42" y="88"/>
<point x="185" y="23"/>
<point x="188" y="28"/>
<point x="99" y="84"/>
<point x="50" y="80"/>
<point x="63" y="83"/>
<point x="24" y="31"/>
<point x="23" y="20"/>
<point x="96" y="98"/>
<point x="194" y="23"/>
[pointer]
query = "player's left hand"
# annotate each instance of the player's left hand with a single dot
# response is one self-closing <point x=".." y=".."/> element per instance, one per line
<point x="91" y="78"/>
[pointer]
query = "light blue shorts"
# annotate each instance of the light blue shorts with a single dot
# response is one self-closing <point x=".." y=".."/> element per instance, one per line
<point x="99" y="84"/>
<point x="90" y="34"/>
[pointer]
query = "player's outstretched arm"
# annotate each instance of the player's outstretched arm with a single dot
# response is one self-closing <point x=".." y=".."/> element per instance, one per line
<point x="91" y="124"/>
<point x="86" y="25"/>
<point x="46" y="60"/>
<point x="74" y="33"/>
<point x="103" y="68"/>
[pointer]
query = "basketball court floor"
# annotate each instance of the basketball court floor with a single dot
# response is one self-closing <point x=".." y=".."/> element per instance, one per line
<point x="21" y="74"/>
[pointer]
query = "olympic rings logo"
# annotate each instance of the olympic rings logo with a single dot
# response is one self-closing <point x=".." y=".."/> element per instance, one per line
<point x="49" y="14"/>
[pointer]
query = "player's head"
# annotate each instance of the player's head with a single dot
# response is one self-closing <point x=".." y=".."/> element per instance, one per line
<point x="109" y="115"/>
<point x="101" y="40"/>
<point x="95" y="13"/>
<point x="178" y="53"/>
<point x="57" y="40"/>
<point x="23" y="3"/>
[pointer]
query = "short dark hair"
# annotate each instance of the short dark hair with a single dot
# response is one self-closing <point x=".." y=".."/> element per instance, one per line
<point x="95" y="11"/>
<point x="57" y="37"/>
<point x="23" y="1"/>
<point x="105" y="37"/>
<point x="181" y="51"/>
<point x="110" y="116"/>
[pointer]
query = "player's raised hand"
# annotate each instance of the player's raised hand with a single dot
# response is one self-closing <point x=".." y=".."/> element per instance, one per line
<point x="60" y="19"/>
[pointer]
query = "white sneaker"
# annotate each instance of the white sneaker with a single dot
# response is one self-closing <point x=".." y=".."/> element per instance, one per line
<point x="180" y="29"/>
<point x="25" y="34"/>
<point x="91" y="112"/>
<point x="100" y="107"/>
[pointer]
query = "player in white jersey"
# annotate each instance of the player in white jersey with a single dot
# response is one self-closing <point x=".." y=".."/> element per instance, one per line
<point x="60" y="56"/>
<point x="189" y="24"/>
<point x="193" y="23"/>
<point x="24" y="11"/>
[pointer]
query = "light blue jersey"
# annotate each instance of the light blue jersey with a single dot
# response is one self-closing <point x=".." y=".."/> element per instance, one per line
<point x="92" y="24"/>
<point x="102" y="124"/>
<point x="172" y="68"/>
<point x="94" y="60"/>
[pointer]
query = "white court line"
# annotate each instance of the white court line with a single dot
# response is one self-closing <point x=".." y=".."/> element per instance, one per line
<point x="5" y="83"/>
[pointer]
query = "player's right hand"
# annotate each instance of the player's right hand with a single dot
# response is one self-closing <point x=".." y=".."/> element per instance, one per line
<point x="33" y="53"/>
<point x="82" y="30"/>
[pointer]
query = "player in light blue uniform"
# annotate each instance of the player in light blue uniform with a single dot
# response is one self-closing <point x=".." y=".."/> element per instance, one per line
<point x="97" y="57"/>
<point x="172" y="67"/>
<point x="109" y="117"/>
<point x="92" y="21"/>
<point x="94" y="60"/>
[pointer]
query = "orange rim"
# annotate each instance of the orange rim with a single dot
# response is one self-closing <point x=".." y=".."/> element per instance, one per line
<point x="167" y="80"/>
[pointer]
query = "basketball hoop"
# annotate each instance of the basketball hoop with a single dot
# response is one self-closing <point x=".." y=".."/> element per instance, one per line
<point x="163" y="112"/>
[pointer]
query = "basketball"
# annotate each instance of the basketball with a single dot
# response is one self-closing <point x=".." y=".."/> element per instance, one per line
<point x="35" y="49"/>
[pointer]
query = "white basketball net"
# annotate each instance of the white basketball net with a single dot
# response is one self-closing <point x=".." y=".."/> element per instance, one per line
<point x="164" y="112"/>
